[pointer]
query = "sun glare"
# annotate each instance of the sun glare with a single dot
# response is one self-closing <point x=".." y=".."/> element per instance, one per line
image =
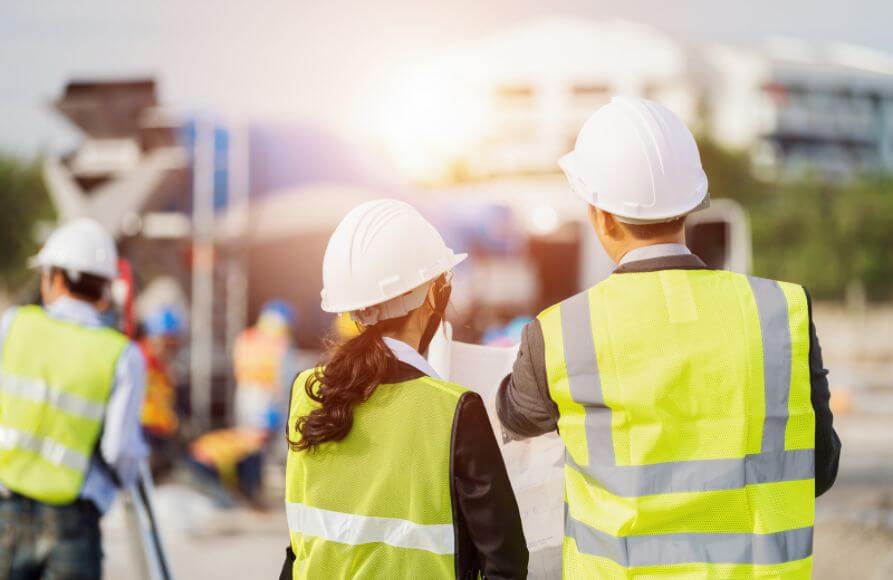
<point x="429" y="122"/>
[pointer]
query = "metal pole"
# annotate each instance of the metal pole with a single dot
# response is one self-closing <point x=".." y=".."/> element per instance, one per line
<point x="202" y="331"/>
<point x="236" y="274"/>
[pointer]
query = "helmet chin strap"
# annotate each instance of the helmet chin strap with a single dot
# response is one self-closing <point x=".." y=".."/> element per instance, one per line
<point x="442" y="291"/>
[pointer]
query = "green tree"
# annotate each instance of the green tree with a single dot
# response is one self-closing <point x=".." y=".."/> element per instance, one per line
<point x="821" y="234"/>
<point x="730" y="174"/>
<point x="23" y="202"/>
<point x="827" y="235"/>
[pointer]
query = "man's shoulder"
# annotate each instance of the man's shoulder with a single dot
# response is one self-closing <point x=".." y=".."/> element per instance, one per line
<point x="556" y="308"/>
<point x="8" y="315"/>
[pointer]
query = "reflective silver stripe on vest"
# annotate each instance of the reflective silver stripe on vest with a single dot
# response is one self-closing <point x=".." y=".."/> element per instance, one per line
<point x="54" y="452"/>
<point x="776" y="332"/>
<point x="701" y="475"/>
<point x="772" y="464"/>
<point x="354" y="530"/>
<point x="40" y="392"/>
<point x="665" y="549"/>
<point x="583" y="379"/>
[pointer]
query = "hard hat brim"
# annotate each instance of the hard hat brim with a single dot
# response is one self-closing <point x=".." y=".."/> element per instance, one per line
<point x="568" y="164"/>
<point x="37" y="262"/>
<point x="455" y="260"/>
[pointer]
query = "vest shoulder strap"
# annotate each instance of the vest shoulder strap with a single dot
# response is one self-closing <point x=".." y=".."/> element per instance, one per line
<point x="446" y="387"/>
<point x="37" y="315"/>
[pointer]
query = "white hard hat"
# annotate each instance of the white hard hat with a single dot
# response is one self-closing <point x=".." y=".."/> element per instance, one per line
<point x="383" y="253"/>
<point x="638" y="161"/>
<point x="80" y="246"/>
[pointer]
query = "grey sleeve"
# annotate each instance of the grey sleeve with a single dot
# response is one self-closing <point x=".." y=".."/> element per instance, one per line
<point x="523" y="404"/>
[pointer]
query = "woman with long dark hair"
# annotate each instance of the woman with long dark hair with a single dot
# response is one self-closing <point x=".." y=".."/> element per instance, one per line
<point x="393" y="472"/>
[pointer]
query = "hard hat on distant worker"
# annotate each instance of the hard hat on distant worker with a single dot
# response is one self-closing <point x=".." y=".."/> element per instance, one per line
<point x="276" y="318"/>
<point x="80" y="246"/>
<point x="381" y="260"/>
<point x="165" y="321"/>
<point x="637" y="160"/>
<point x="279" y="308"/>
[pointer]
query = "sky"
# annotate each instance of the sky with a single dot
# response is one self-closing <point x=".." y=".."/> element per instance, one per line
<point x="325" y="62"/>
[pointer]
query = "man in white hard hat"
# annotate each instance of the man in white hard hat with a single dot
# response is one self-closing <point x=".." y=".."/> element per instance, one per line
<point x="692" y="402"/>
<point x="70" y="398"/>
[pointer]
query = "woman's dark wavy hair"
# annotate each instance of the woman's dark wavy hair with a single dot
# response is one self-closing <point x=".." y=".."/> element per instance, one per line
<point x="354" y="369"/>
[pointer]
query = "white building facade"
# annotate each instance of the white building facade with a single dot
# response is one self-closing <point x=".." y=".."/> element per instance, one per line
<point x="522" y="94"/>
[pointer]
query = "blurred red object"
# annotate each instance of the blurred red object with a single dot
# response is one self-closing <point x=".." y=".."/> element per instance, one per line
<point x="125" y="279"/>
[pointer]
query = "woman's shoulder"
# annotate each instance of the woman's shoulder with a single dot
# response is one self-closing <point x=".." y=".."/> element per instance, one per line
<point x="452" y="389"/>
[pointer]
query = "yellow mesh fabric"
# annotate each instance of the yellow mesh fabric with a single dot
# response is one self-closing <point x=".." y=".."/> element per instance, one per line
<point x="79" y="358"/>
<point x="762" y="508"/>
<point x="707" y="404"/>
<point x="571" y="421"/>
<point x="579" y="566"/>
<point x="680" y="357"/>
<point x="800" y="432"/>
<point x="393" y="464"/>
<point x="74" y="359"/>
<point x="316" y="559"/>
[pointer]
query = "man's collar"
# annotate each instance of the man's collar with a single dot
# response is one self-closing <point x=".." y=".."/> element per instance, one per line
<point x="74" y="310"/>
<point x="682" y="262"/>
<point x="654" y="251"/>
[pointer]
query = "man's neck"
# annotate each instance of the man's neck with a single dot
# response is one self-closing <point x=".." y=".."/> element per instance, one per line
<point x="68" y="297"/>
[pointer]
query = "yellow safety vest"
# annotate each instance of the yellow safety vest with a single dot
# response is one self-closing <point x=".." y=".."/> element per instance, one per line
<point x="376" y="504"/>
<point x="684" y="400"/>
<point x="55" y="384"/>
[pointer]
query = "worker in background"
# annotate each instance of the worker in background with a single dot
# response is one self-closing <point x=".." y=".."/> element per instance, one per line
<point x="160" y="343"/>
<point x="261" y="357"/>
<point x="231" y="462"/>
<point x="70" y="397"/>
<point x="692" y="402"/>
<point x="393" y="472"/>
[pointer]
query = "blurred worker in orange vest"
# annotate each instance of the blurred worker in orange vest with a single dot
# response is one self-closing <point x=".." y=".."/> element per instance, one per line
<point x="160" y="343"/>
<point x="261" y="356"/>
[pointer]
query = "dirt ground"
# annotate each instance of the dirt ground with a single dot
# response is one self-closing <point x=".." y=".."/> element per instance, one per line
<point x="854" y="521"/>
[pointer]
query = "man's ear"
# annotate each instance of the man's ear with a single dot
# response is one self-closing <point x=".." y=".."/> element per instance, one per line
<point x="609" y="223"/>
<point x="603" y="222"/>
<point x="592" y="214"/>
<point x="431" y="298"/>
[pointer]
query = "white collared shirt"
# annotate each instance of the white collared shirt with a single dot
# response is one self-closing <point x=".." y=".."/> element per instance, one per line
<point x="410" y="356"/>
<point x="654" y="251"/>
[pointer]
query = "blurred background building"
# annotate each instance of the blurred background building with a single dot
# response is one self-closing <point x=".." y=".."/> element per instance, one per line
<point x="524" y="91"/>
